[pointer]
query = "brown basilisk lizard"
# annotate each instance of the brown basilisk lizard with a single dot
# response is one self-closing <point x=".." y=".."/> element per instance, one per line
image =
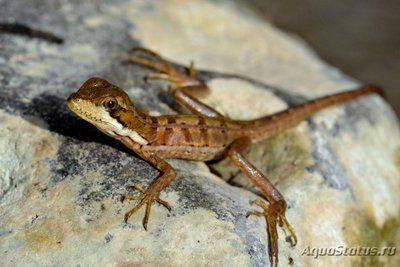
<point x="205" y="135"/>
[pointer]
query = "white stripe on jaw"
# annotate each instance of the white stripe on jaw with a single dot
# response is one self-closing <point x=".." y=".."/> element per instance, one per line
<point x="133" y="135"/>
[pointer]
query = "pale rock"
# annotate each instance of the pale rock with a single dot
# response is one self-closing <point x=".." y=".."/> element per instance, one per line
<point x="61" y="180"/>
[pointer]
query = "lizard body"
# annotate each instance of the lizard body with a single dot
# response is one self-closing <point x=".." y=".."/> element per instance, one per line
<point x="204" y="135"/>
<point x="196" y="137"/>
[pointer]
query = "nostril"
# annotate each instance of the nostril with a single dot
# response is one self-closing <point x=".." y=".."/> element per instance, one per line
<point x="72" y="96"/>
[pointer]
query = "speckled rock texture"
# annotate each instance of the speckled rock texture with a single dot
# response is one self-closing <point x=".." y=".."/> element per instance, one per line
<point x="61" y="180"/>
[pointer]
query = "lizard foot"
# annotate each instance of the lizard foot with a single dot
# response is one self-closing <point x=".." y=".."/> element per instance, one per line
<point x="274" y="214"/>
<point x="166" y="70"/>
<point x="146" y="197"/>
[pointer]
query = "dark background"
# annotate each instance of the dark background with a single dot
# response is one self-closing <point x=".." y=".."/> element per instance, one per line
<point x="360" y="37"/>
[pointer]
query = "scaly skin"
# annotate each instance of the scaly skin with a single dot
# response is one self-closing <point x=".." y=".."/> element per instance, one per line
<point x="203" y="136"/>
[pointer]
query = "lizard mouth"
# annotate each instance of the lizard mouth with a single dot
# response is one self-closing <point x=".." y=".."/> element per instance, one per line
<point x="86" y="114"/>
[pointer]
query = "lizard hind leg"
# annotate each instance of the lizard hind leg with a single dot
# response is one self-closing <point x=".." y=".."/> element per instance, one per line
<point x="274" y="211"/>
<point x="186" y="85"/>
<point x="167" y="71"/>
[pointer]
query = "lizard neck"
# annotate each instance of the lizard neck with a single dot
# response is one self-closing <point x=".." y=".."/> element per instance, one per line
<point x="134" y="125"/>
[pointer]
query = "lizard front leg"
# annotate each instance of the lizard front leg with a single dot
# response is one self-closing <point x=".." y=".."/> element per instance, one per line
<point x="151" y="195"/>
<point x="274" y="213"/>
<point x="185" y="85"/>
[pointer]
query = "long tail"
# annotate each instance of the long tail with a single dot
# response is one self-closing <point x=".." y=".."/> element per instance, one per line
<point x="278" y="122"/>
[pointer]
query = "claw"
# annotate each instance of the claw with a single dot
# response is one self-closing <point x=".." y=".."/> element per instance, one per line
<point x="147" y="197"/>
<point x="288" y="230"/>
<point x="147" y="215"/>
<point x="192" y="71"/>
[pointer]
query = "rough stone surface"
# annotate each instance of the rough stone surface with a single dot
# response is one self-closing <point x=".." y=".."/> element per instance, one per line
<point x="61" y="180"/>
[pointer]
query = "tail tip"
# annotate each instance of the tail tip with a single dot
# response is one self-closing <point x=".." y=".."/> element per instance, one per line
<point x="376" y="89"/>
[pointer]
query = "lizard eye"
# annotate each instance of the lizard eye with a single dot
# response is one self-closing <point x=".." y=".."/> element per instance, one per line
<point x="110" y="103"/>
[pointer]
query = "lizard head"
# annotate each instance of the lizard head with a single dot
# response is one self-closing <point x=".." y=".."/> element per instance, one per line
<point x="102" y="104"/>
